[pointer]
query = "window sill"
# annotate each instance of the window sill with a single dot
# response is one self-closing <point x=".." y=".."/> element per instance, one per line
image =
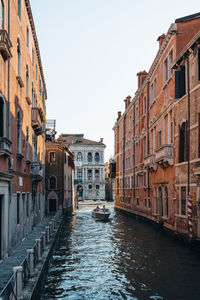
<point x="180" y="216"/>
<point x="20" y="81"/>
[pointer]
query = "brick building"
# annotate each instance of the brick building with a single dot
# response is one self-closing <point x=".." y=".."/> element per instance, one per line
<point x="22" y="118"/>
<point x="59" y="177"/>
<point x="147" y="137"/>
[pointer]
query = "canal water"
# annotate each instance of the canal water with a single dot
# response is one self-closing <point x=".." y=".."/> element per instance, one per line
<point x="121" y="259"/>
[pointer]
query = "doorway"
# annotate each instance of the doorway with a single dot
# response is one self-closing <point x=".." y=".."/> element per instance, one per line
<point x="52" y="205"/>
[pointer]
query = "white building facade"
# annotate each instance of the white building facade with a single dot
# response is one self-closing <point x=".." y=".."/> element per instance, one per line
<point x="89" y="182"/>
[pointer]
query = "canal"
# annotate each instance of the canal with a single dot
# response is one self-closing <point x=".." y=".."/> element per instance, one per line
<point x="121" y="259"/>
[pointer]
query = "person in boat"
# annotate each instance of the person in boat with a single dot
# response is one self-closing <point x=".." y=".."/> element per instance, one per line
<point x="97" y="208"/>
<point x="104" y="208"/>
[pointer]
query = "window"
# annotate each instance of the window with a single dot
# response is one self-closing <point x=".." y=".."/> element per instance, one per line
<point x="166" y="202"/>
<point x="2" y="15"/>
<point x="136" y="114"/>
<point x="159" y="139"/>
<point x="145" y="181"/>
<point x="153" y="91"/>
<point x="89" y="186"/>
<point x="166" y="74"/>
<point x="97" y="157"/>
<point x="27" y="37"/>
<point x="170" y="62"/>
<point x="1" y="117"/>
<point x="18" y="208"/>
<point x="180" y="86"/>
<point x="40" y="86"/>
<point x="149" y="202"/>
<point x="79" y="174"/>
<point x="52" y="157"/>
<point x="27" y="81"/>
<point x="18" y="57"/>
<point x="144" y="105"/>
<point x="97" y="187"/>
<point x="89" y="157"/>
<point x="130" y="123"/>
<point x="52" y="183"/>
<point x="97" y="174"/>
<point x="27" y="143"/>
<point x="36" y="72"/>
<point x="79" y="156"/>
<point x="19" y="9"/>
<point x="90" y="174"/>
<point x="144" y="146"/>
<point x="137" y="201"/>
<point x="183" y="200"/>
<point x="19" y="127"/>
<point x="183" y="142"/>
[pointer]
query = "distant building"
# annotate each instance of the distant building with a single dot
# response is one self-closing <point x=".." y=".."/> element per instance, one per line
<point x="89" y="182"/>
<point x="22" y="116"/>
<point x="59" y="174"/>
<point x="110" y="173"/>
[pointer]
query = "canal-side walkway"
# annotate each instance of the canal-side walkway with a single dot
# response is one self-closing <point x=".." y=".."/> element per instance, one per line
<point x="38" y="242"/>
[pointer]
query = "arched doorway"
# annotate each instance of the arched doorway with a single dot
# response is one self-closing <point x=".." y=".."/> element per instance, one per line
<point x="52" y="203"/>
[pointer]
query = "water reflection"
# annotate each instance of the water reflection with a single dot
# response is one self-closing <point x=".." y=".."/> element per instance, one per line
<point x="121" y="259"/>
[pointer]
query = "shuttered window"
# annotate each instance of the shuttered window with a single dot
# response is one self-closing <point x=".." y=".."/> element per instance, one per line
<point x="183" y="142"/>
<point x="183" y="200"/>
<point x="180" y="89"/>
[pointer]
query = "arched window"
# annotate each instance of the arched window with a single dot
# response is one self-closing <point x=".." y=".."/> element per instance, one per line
<point x="1" y="117"/>
<point x="183" y="142"/>
<point x="18" y="57"/>
<point x="27" y="143"/>
<point x="89" y="157"/>
<point x="27" y="81"/>
<point x="96" y="157"/>
<point x="79" y="174"/>
<point x="2" y="15"/>
<point x="19" y="132"/>
<point x="52" y="183"/>
<point x="27" y="37"/>
<point x="19" y="9"/>
<point x="79" y="156"/>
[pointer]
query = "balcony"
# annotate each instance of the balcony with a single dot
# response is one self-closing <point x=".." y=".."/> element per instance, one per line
<point x="37" y="171"/>
<point x="149" y="163"/>
<point x="164" y="156"/>
<point x="36" y="121"/>
<point x="5" y="44"/>
<point x="5" y="147"/>
<point x="140" y="169"/>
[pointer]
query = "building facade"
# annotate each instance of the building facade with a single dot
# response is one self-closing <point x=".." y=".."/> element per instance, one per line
<point x="89" y="182"/>
<point x="110" y="173"/>
<point x="59" y="177"/>
<point x="22" y="117"/>
<point x="150" y="136"/>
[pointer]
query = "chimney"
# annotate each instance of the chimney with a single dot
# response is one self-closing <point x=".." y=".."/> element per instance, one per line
<point x="161" y="39"/>
<point x="119" y="115"/>
<point x="101" y="140"/>
<point x="141" y="78"/>
<point x="127" y="101"/>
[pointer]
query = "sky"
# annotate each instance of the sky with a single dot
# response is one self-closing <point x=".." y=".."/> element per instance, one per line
<point x="91" y="51"/>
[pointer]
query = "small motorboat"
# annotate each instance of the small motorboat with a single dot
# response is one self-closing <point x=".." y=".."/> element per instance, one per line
<point x="101" y="214"/>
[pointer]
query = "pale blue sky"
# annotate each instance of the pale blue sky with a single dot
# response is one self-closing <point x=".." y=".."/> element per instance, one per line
<point x="91" y="51"/>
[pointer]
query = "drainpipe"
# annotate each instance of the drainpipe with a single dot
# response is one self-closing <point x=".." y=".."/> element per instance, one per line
<point x="124" y="140"/>
<point x="8" y="73"/>
<point x="148" y="135"/>
<point x="188" y="129"/>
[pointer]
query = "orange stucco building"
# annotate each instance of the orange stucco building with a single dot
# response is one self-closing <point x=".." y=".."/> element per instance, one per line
<point x="147" y="137"/>
<point x="22" y="119"/>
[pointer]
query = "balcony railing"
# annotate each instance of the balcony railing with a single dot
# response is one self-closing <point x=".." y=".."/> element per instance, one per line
<point x="164" y="156"/>
<point x="5" y="147"/>
<point x="36" y="121"/>
<point x="37" y="171"/>
<point x="5" y="44"/>
<point x="149" y="163"/>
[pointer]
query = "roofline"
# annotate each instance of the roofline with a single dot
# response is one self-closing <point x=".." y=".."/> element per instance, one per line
<point x="188" y="18"/>
<point x="30" y="15"/>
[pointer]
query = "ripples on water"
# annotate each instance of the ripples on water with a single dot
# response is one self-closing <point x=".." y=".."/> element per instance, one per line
<point x="120" y="259"/>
